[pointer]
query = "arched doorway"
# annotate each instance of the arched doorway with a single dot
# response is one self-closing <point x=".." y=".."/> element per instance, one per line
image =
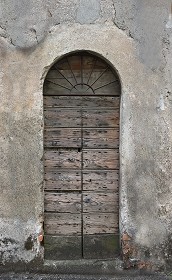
<point x="81" y="158"/>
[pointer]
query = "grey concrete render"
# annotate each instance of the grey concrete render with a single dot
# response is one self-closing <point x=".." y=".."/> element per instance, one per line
<point x="79" y="277"/>
<point x="88" y="11"/>
<point x="130" y="35"/>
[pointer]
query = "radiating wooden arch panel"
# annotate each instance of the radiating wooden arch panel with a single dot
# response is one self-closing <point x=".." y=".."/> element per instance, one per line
<point x="81" y="73"/>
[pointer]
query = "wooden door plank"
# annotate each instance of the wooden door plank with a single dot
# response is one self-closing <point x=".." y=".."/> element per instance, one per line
<point x="61" y="87"/>
<point x="100" y="202"/>
<point x="102" y="78"/>
<point x="62" y="247"/>
<point x="82" y="101"/>
<point x="62" y="202"/>
<point x="60" y="77"/>
<point x="52" y="88"/>
<point x="62" y="224"/>
<point x="101" y="246"/>
<point x="88" y="63"/>
<point x="57" y="77"/>
<point x="55" y="117"/>
<point x="101" y="180"/>
<point x="62" y="137"/>
<point x="100" y="223"/>
<point x="101" y="118"/>
<point x="62" y="158"/>
<point x="101" y="159"/>
<point x="62" y="180"/>
<point x="114" y="89"/>
<point x="101" y="138"/>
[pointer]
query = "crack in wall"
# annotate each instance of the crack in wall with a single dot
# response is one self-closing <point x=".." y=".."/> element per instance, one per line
<point x="34" y="31"/>
<point x="113" y="5"/>
<point x="11" y="41"/>
<point x="50" y="13"/>
<point x="121" y="27"/>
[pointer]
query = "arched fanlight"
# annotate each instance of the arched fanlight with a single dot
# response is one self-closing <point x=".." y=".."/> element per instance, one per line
<point x="81" y="73"/>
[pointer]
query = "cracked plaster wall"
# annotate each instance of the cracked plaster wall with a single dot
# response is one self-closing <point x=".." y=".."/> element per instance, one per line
<point x="132" y="36"/>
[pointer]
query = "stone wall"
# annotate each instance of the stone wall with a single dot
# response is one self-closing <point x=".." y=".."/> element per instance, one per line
<point x="132" y="36"/>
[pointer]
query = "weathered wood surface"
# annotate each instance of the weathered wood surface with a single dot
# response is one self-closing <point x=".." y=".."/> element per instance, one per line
<point x="100" y="223"/>
<point x="62" y="82"/>
<point x="114" y="88"/>
<point x="62" y="202"/>
<point x="52" y="87"/>
<point x="57" y="77"/>
<point x="81" y="161"/>
<point x="101" y="180"/>
<point x="71" y="137"/>
<point x="62" y="247"/>
<point x="101" y="246"/>
<point x="104" y="81"/>
<point x="101" y="159"/>
<point x="62" y="137"/>
<point x="88" y="61"/>
<point x="100" y="202"/>
<point x="82" y="69"/>
<point x="62" y="158"/>
<point x="100" y="118"/>
<point x="101" y="138"/>
<point x="62" y="180"/>
<point x="63" y="224"/>
<point x="82" y="102"/>
<point x="55" y="117"/>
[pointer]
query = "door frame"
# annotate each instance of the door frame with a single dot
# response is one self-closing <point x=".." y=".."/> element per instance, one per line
<point x="115" y="70"/>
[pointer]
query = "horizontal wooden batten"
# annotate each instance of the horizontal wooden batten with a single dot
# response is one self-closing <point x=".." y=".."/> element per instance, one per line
<point x="62" y="180"/>
<point x="55" y="117"/>
<point x="101" y="246"/>
<point x="62" y="247"/>
<point x="65" y="77"/>
<point x="101" y="180"/>
<point x="63" y="202"/>
<point x="63" y="224"/>
<point x="91" y="138"/>
<point x="100" y="223"/>
<point x="82" y="102"/>
<point x="100" y="138"/>
<point x="100" y="118"/>
<point x="62" y="158"/>
<point x="59" y="87"/>
<point x="101" y="159"/>
<point x="100" y="202"/>
<point x="62" y="137"/>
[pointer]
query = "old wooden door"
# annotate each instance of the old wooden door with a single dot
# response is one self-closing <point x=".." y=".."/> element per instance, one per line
<point x="81" y="158"/>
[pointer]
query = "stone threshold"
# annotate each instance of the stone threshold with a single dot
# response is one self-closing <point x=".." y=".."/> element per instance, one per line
<point x="83" y="266"/>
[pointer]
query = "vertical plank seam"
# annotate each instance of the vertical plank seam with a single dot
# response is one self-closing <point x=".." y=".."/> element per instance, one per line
<point x="82" y="230"/>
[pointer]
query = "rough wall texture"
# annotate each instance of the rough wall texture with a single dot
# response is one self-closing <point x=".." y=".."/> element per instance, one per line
<point x="133" y="37"/>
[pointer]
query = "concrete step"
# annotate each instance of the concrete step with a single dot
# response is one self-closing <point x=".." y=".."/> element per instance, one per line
<point x="127" y="276"/>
